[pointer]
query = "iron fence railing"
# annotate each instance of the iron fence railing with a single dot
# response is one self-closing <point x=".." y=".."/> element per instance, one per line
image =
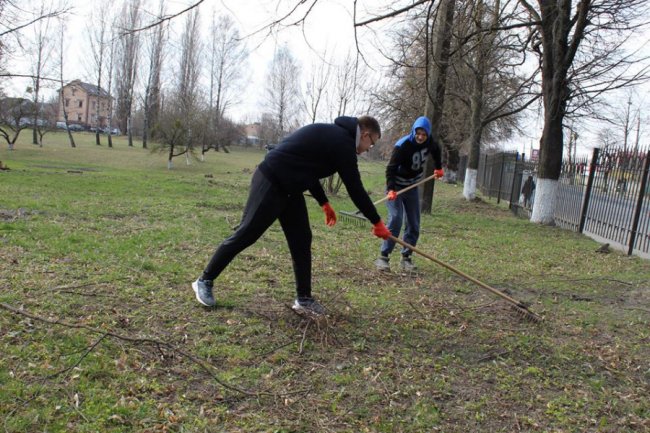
<point x="606" y="197"/>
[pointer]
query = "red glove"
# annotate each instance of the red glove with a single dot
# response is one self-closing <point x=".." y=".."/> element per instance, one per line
<point x="330" y="215"/>
<point x="380" y="230"/>
<point x="438" y="174"/>
<point x="392" y="195"/>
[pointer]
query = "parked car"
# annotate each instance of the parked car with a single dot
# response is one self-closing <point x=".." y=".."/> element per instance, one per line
<point x="72" y="126"/>
<point x="29" y="121"/>
<point x="76" y="127"/>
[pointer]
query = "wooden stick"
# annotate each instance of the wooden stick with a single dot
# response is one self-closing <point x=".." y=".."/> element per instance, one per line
<point x="459" y="272"/>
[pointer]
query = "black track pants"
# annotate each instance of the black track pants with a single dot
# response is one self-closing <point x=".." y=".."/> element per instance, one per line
<point x="265" y="204"/>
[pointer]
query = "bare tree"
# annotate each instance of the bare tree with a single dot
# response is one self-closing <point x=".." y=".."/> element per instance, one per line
<point x="622" y="131"/>
<point x="572" y="136"/>
<point x="40" y="50"/>
<point x="164" y="19"/>
<point x="126" y="64"/>
<point x="109" y="86"/>
<point x="499" y="90"/>
<point x="152" y="94"/>
<point x="62" y="101"/>
<point x="626" y="118"/>
<point x="189" y="68"/>
<point x="15" y="20"/>
<point x="181" y="128"/>
<point x="13" y="111"/>
<point x="581" y="56"/>
<point x="439" y="55"/>
<point x="98" y="35"/>
<point x="316" y="88"/>
<point x="343" y="99"/>
<point x="227" y="54"/>
<point x="282" y="93"/>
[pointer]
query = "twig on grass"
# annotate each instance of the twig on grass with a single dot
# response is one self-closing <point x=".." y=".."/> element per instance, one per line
<point x="275" y="349"/>
<point x="574" y="280"/>
<point x="79" y="286"/>
<point x="76" y="364"/>
<point x="637" y="308"/>
<point x="417" y="311"/>
<point x="304" y="336"/>
<point x="145" y="340"/>
<point x="72" y="292"/>
<point x="493" y="355"/>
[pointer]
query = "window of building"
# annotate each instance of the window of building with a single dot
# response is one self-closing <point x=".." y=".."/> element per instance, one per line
<point x="78" y="117"/>
<point x="81" y="104"/>
<point x="93" y="104"/>
<point x="67" y="102"/>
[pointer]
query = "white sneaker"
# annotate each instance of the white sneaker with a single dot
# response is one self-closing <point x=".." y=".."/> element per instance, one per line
<point x="407" y="264"/>
<point x="382" y="264"/>
<point x="203" y="292"/>
<point x="309" y="306"/>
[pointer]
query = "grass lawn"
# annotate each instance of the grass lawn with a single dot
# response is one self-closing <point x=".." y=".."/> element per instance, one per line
<point x="100" y="331"/>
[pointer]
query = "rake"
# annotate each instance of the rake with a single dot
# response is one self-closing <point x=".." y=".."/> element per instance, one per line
<point x="358" y="218"/>
<point x="520" y="307"/>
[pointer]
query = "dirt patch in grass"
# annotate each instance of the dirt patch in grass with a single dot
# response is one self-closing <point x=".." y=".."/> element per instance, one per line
<point x="10" y="215"/>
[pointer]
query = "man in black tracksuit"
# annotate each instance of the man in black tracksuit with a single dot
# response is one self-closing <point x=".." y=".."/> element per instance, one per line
<point x="296" y="165"/>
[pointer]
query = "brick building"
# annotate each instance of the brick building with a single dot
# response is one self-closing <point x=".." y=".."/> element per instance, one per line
<point x="85" y="104"/>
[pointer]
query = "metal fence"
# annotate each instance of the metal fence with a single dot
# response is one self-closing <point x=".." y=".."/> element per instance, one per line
<point x="606" y="197"/>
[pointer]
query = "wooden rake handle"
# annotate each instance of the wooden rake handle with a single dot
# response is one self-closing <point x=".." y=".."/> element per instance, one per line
<point x="459" y="272"/>
<point x="415" y="185"/>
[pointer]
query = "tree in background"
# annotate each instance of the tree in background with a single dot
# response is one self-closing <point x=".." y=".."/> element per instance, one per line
<point x="498" y="88"/>
<point x="226" y="56"/>
<point x="12" y="113"/>
<point x="316" y="88"/>
<point x="40" y="50"/>
<point x="282" y="92"/>
<point x="581" y="55"/>
<point x="14" y="19"/>
<point x="182" y="126"/>
<point x="126" y="63"/>
<point x="111" y="67"/>
<point x="62" y="105"/>
<point x="430" y="40"/>
<point x="155" y="42"/>
<point x="98" y="33"/>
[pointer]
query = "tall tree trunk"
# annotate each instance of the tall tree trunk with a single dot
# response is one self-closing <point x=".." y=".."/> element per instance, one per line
<point x="62" y="99"/>
<point x="479" y="70"/>
<point x="561" y="35"/>
<point x="145" y="127"/>
<point x="476" y="131"/>
<point x="436" y="88"/>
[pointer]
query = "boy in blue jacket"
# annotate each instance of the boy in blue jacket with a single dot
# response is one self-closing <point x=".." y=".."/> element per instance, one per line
<point x="296" y="165"/>
<point x="405" y="168"/>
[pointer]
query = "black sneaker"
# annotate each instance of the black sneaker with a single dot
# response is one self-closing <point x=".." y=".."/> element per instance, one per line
<point x="309" y="306"/>
<point x="203" y="290"/>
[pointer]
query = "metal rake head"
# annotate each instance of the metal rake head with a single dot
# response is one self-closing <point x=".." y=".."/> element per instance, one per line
<point x="353" y="218"/>
<point x="524" y="312"/>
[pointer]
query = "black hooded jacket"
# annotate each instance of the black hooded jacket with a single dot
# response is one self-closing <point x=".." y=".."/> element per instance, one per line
<point x="317" y="151"/>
